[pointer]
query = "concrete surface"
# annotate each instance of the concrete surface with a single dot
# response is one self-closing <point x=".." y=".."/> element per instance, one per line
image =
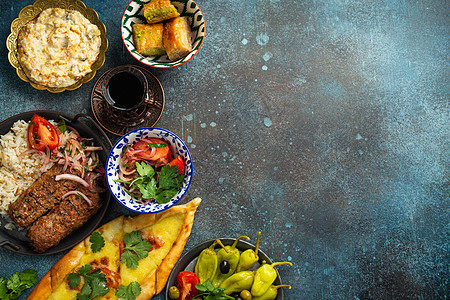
<point x="322" y="123"/>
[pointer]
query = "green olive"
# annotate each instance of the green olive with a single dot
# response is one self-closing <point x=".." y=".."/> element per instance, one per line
<point x="245" y="295"/>
<point x="174" y="292"/>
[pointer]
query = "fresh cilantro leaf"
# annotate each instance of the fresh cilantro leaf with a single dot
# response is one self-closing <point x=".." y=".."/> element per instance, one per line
<point x="207" y="286"/>
<point x="130" y="259"/>
<point x="162" y="190"/>
<point x="86" y="269"/>
<point x="128" y="292"/>
<point x="169" y="178"/>
<point x="62" y="126"/>
<point x="99" y="287"/>
<point x="97" y="241"/>
<point x="148" y="189"/>
<point x="164" y="196"/>
<point x="73" y="280"/>
<point x="13" y="281"/>
<point x="18" y="282"/>
<point x="94" y="282"/>
<point x="135" y="248"/>
<point x="208" y="292"/>
<point x="85" y="292"/>
<point x="3" y="289"/>
<point x="28" y="277"/>
<point x="145" y="170"/>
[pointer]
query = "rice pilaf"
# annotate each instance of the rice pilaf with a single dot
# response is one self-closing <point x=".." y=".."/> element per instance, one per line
<point x="17" y="172"/>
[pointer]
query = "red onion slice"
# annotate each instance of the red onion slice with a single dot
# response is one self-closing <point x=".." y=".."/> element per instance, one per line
<point x="73" y="178"/>
<point x="90" y="178"/>
<point x="92" y="148"/>
<point x="73" y="130"/>
<point x="124" y="178"/>
<point x="46" y="159"/>
<point x="123" y="169"/>
<point x="66" y="164"/>
<point x="79" y="194"/>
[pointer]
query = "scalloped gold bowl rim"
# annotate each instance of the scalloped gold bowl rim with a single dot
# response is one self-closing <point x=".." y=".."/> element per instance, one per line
<point x="30" y="12"/>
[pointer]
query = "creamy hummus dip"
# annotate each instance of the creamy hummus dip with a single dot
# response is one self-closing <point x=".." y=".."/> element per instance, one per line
<point x="58" y="47"/>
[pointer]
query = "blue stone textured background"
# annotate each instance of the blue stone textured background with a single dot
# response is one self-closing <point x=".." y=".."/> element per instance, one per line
<point x="322" y="123"/>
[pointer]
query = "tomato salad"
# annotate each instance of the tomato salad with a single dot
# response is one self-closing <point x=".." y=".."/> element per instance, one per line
<point x="149" y="172"/>
<point x="63" y="145"/>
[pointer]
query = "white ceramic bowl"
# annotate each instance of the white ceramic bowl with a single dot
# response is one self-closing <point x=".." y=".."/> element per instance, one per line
<point x="134" y="14"/>
<point x="177" y="147"/>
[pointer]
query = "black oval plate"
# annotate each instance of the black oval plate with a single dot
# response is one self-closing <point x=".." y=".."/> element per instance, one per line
<point x="187" y="262"/>
<point x="15" y="240"/>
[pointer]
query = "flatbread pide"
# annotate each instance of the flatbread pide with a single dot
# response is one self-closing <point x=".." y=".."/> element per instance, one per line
<point x="167" y="232"/>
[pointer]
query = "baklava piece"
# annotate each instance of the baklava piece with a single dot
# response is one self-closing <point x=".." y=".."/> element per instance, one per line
<point x="159" y="10"/>
<point x="177" y="38"/>
<point x="148" y="39"/>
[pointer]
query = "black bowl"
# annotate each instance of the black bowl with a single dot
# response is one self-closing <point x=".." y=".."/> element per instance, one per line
<point x="15" y="240"/>
<point x="187" y="262"/>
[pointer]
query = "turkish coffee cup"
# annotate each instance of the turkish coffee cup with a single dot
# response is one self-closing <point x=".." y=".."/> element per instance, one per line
<point x="125" y="89"/>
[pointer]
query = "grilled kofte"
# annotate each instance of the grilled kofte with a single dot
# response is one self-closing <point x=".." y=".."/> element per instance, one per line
<point x="63" y="198"/>
<point x="39" y="198"/>
<point x="70" y="214"/>
<point x="51" y="217"/>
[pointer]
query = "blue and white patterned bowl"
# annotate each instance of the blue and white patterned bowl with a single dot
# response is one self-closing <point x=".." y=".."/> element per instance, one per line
<point x="177" y="147"/>
<point x="134" y="14"/>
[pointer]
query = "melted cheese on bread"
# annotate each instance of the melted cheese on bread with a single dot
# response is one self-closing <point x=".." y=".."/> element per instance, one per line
<point x="106" y="259"/>
<point x="168" y="232"/>
<point x="167" y="229"/>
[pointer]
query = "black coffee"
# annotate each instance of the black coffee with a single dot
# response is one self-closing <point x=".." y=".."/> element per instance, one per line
<point x="125" y="90"/>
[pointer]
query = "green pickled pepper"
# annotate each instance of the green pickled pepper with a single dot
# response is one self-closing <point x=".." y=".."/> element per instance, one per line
<point x="271" y="292"/>
<point x="231" y="255"/>
<point x="207" y="262"/>
<point x="249" y="257"/>
<point x="238" y="282"/>
<point x="265" y="275"/>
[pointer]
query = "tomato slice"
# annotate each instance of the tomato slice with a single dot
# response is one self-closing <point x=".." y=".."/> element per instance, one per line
<point x="152" y="153"/>
<point x="42" y="133"/>
<point x="178" y="161"/>
<point x="186" y="282"/>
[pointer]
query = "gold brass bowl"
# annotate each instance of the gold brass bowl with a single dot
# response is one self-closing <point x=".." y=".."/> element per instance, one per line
<point x="30" y="12"/>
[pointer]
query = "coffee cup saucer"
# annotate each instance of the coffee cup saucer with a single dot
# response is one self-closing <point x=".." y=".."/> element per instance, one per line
<point x="101" y="113"/>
